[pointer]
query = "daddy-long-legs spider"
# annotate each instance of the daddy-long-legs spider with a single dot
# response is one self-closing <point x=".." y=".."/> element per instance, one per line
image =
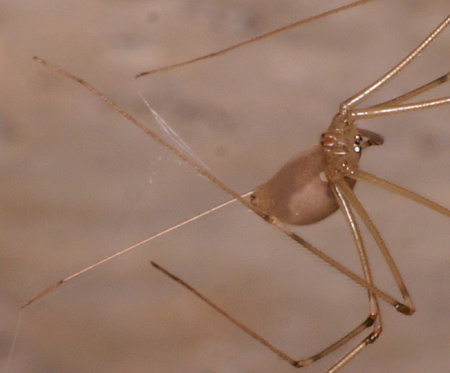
<point x="91" y="343"/>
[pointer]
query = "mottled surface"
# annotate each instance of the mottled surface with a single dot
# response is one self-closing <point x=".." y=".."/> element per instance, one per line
<point x="79" y="183"/>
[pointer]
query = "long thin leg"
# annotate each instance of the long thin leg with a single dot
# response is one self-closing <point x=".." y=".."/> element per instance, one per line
<point x="395" y="106"/>
<point x="296" y="363"/>
<point x="374" y="310"/>
<point x="382" y="295"/>
<point x="399" y="306"/>
<point x="348" y="194"/>
<point x="252" y="40"/>
<point x="350" y="219"/>
<point x="373" y="112"/>
<point x="394" y="188"/>
<point x="371" y="338"/>
<point x="366" y="92"/>
<point x="415" y="92"/>
<point x="126" y="250"/>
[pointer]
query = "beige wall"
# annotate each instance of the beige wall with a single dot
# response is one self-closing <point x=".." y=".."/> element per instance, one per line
<point x="79" y="183"/>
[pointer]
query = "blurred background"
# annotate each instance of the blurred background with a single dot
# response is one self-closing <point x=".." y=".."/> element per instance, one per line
<point x="79" y="183"/>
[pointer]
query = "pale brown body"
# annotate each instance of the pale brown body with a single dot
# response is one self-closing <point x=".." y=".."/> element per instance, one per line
<point x="298" y="194"/>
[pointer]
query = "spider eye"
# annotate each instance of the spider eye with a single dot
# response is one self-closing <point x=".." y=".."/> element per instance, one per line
<point x="357" y="144"/>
